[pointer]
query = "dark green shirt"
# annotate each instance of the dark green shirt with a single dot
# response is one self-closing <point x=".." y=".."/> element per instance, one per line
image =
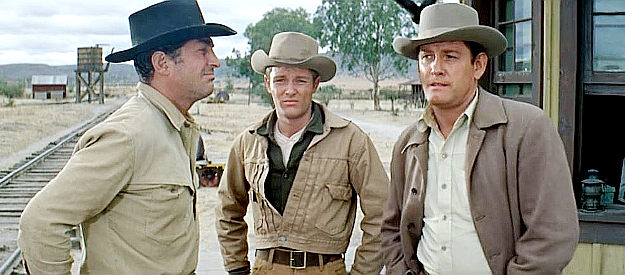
<point x="280" y="178"/>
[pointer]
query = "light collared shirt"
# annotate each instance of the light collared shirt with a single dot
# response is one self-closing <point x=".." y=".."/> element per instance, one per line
<point x="449" y="244"/>
<point x="286" y="143"/>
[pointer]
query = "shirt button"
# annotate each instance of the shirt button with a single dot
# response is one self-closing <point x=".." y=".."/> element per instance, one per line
<point x="443" y="248"/>
<point x="444" y="186"/>
<point x="414" y="191"/>
<point x="282" y="239"/>
<point x="444" y="217"/>
<point x="286" y="176"/>
<point x="444" y="155"/>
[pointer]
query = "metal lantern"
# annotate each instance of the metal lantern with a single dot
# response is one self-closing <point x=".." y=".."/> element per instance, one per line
<point x="592" y="190"/>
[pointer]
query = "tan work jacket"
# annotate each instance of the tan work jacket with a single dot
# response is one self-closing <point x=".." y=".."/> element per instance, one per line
<point x="130" y="183"/>
<point x="321" y="207"/>
<point x="519" y="185"/>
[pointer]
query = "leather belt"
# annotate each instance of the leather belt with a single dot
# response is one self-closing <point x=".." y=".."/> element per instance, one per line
<point x="296" y="259"/>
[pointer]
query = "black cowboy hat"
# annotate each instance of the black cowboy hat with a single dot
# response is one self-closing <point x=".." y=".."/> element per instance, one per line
<point x="167" y="23"/>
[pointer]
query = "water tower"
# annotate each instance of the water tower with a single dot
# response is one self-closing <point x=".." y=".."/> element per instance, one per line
<point x="90" y="65"/>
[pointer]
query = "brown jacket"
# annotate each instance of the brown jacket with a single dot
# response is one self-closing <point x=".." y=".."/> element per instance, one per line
<point x="321" y="208"/>
<point x="520" y="192"/>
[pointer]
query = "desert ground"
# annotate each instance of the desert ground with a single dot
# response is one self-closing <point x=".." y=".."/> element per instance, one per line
<point x="28" y="126"/>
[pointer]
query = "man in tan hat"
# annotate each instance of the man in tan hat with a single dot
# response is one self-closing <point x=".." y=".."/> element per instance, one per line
<point x="131" y="181"/>
<point x="479" y="184"/>
<point x="302" y="167"/>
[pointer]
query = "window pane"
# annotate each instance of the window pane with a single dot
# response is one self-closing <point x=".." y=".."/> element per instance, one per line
<point x="609" y="5"/>
<point x="522" y="9"/>
<point x="515" y="90"/>
<point x="507" y="11"/>
<point x="608" y="48"/>
<point x="507" y="60"/>
<point x="523" y="46"/>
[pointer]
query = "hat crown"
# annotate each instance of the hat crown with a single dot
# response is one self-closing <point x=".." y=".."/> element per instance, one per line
<point x="163" y="17"/>
<point x="293" y="46"/>
<point x="444" y="16"/>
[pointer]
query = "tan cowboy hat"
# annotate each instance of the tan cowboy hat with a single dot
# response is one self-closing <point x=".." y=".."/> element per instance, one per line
<point x="451" y="22"/>
<point x="294" y="49"/>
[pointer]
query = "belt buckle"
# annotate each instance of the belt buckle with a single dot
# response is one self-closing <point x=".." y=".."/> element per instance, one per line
<point x="292" y="260"/>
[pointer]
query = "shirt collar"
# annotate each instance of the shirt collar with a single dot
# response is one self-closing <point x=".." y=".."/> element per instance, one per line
<point x="427" y="120"/>
<point x="315" y="125"/>
<point x="175" y="117"/>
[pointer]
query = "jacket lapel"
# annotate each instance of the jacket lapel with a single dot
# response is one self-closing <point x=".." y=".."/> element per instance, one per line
<point x="488" y="112"/>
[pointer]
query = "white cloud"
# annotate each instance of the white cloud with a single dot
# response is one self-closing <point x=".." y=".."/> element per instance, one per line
<point x="42" y="31"/>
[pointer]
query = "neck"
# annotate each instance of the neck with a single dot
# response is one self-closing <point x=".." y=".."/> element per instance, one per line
<point x="289" y="127"/>
<point x="170" y="93"/>
<point x="446" y="117"/>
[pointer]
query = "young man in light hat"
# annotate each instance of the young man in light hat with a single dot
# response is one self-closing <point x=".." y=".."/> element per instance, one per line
<point x="479" y="184"/>
<point x="302" y="167"/>
<point x="131" y="181"/>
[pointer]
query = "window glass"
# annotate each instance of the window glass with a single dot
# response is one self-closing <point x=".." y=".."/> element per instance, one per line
<point x="516" y="90"/>
<point x="507" y="59"/>
<point x="522" y="9"/>
<point x="523" y="45"/>
<point x="609" y="6"/>
<point x="507" y="10"/>
<point x="609" y="43"/>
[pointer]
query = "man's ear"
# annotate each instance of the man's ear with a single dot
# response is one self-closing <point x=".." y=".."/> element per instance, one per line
<point x="316" y="83"/>
<point x="160" y="63"/>
<point x="479" y="65"/>
<point x="267" y="83"/>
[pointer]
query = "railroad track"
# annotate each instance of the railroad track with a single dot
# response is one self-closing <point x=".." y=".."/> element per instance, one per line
<point x="20" y="183"/>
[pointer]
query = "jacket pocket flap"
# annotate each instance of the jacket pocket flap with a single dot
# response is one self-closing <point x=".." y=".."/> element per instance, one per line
<point x="340" y="191"/>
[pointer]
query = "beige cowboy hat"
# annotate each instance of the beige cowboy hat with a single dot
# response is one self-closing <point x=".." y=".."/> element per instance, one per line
<point x="451" y="22"/>
<point x="294" y="49"/>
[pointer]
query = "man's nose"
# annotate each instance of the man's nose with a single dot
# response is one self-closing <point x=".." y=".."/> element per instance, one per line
<point x="436" y="67"/>
<point x="213" y="61"/>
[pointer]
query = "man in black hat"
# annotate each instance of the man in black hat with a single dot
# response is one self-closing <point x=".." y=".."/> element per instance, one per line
<point x="131" y="183"/>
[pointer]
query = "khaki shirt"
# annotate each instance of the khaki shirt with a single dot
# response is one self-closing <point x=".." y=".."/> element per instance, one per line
<point x="130" y="183"/>
<point x="339" y="165"/>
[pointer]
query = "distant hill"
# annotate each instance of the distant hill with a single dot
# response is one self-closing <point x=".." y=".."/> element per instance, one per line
<point x="117" y="74"/>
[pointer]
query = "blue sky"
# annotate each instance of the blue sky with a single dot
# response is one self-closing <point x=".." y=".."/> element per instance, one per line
<point x="44" y="31"/>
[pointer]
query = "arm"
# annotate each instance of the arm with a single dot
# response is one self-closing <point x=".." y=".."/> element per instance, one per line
<point x="100" y="167"/>
<point x="546" y="201"/>
<point x="233" y="198"/>
<point x="369" y="179"/>
<point x="391" y="241"/>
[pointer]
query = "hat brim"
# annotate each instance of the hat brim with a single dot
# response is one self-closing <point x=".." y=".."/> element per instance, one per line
<point x="493" y="41"/>
<point x="171" y="37"/>
<point x="323" y="65"/>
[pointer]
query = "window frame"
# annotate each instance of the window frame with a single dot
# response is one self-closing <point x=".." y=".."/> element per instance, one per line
<point x="597" y="82"/>
<point x="516" y="77"/>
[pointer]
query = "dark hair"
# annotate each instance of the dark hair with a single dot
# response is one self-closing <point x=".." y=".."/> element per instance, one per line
<point x="315" y="74"/>
<point x="143" y="61"/>
<point x="474" y="47"/>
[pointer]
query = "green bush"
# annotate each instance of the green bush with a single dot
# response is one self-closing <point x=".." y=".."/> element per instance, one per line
<point x="10" y="90"/>
<point x="325" y="93"/>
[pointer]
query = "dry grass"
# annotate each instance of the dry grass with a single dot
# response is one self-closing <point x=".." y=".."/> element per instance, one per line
<point x="26" y="124"/>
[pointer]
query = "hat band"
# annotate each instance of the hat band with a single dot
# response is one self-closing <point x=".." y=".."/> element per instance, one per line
<point x="437" y="31"/>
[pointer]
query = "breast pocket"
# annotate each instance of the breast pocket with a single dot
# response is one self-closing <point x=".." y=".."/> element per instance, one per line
<point x="334" y="208"/>
<point x="170" y="213"/>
